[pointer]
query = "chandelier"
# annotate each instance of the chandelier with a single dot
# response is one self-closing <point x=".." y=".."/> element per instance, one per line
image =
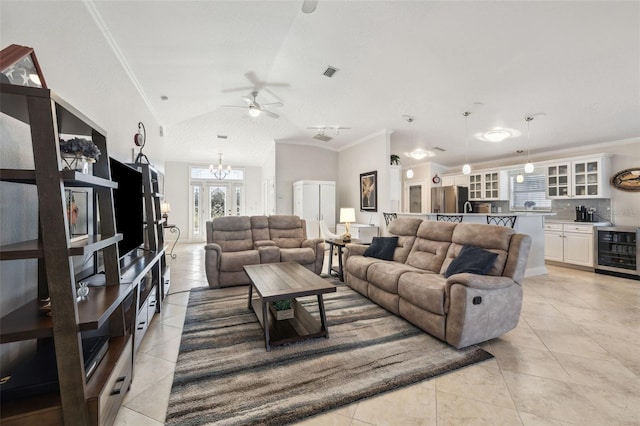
<point x="219" y="172"/>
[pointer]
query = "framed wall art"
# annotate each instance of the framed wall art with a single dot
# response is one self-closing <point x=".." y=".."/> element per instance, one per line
<point x="369" y="191"/>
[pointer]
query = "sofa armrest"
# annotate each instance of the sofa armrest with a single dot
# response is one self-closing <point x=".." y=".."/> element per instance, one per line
<point x="313" y="243"/>
<point x="354" y="249"/>
<point x="482" y="282"/>
<point x="212" y="255"/>
<point x="213" y="246"/>
<point x="264" y="243"/>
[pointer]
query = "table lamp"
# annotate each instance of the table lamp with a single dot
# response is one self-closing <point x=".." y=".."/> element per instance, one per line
<point x="347" y="215"/>
<point x="164" y="209"/>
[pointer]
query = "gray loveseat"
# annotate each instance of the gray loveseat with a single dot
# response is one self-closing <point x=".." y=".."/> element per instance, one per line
<point x="463" y="309"/>
<point x="235" y="241"/>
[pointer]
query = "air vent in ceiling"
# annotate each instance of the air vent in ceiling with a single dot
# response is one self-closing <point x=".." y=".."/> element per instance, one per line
<point x="439" y="149"/>
<point x="330" y="71"/>
<point x="222" y="136"/>
<point x="322" y="137"/>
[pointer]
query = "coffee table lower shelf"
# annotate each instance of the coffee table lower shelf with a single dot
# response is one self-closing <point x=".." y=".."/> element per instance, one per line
<point x="302" y="326"/>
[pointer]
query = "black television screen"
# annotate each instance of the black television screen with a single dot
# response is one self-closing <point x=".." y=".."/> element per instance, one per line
<point x="128" y="206"/>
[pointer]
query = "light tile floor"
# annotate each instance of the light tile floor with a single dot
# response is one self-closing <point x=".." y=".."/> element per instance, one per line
<point x="573" y="359"/>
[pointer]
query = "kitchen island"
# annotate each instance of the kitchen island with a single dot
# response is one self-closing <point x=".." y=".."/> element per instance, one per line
<point x="526" y="223"/>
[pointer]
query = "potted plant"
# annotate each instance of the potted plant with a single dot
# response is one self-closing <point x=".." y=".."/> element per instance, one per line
<point x="395" y="160"/>
<point x="282" y="309"/>
<point x="77" y="153"/>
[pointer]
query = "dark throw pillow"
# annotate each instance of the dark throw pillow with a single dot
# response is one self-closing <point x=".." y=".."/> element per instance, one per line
<point x="472" y="259"/>
<point x="382" y="248"/>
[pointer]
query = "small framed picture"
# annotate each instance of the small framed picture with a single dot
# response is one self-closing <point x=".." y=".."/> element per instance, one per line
<point x="369" y="191"/>
<point x="77" y="208"/>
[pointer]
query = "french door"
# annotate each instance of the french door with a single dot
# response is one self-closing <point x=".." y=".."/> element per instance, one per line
<point x="210" y="200"/>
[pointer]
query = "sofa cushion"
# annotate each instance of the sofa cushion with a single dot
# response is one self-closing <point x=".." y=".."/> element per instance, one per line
<point x="232" y="233"/>
<point x="472" y="259"/>
<point x="424" y="290"/>
<point x="385" y="274"/>
<point x="382" y="248"/>
<point x="260" y="228"/>
<point x="303" y="256"/>
<point x="287" y="231"/>
<point x="358" y="265"/>
<point x="235" y="260"/>
<point x="405" y="228"/>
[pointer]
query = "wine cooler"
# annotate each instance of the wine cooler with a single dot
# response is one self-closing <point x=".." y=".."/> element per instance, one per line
<point x="617" y="250"/>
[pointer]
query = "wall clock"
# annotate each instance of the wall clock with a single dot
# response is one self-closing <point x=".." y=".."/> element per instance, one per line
<point x="436" y="179"/>
<point x="627" y="180"/>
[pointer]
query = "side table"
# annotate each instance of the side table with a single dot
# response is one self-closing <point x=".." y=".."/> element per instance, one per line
<point x="174" y="230"/>
<point x="339" y="244"/>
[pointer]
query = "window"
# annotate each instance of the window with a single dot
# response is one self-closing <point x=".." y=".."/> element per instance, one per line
<point x="531" y="194"/>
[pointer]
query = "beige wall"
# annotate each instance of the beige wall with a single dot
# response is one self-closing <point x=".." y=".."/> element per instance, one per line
<point x="369" y="154"/>
<point x="301" y="162"/>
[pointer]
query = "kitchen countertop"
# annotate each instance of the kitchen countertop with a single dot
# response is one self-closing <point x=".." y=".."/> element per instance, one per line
<point x="484" y="214"/>
<point x="573" y="222"/>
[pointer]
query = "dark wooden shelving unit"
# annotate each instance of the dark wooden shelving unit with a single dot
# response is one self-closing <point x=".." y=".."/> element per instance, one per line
<point x="112" y="303"/>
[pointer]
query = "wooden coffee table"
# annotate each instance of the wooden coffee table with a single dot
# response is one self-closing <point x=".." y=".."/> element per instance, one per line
<point x="287" y="280"/>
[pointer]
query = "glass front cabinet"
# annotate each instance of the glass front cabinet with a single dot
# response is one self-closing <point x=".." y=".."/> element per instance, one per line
<point x="584" y="178"/>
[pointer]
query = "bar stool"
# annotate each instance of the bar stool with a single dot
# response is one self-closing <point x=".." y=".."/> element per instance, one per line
<point x="449" y="218"/>
<point x="502" y="220"/>
<point x="388" y="217"/>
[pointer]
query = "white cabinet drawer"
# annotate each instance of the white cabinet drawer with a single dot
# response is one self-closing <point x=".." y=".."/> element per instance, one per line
<point x="553" y="227"/>
<point x="582" y="229"/>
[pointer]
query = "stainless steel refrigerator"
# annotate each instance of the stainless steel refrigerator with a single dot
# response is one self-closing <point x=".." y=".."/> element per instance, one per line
<point x="449" y="199"/>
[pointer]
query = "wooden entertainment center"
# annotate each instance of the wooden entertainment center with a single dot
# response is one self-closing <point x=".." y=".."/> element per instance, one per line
<point x="125" y="290"/>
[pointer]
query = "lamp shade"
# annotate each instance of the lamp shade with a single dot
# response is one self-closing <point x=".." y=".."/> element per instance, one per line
<point x="165" y="207"/>
<point x="347" y="214"/>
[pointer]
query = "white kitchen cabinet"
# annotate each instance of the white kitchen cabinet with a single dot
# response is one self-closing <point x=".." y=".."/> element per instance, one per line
<point x="489" y="185"/>
<point x="569" y="243"/>
<point x="359" y="231"/>
<point x="553" y="242"/>
<point x="455" y="180"/>
<point x="313" y="201"/>
<point x="579" y="178"/>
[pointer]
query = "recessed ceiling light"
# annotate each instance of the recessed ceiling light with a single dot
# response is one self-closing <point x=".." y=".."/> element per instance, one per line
<point x="419" y="154"/>
<point x="497" y="135"/>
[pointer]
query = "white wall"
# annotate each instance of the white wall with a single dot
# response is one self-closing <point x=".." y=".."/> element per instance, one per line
<point x="79" y="75"/>
<point x="301" y="162"/>
<point x="369" y="154"/>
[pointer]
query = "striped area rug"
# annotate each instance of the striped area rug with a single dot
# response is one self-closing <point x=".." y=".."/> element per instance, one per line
<point x="225" y="376"/>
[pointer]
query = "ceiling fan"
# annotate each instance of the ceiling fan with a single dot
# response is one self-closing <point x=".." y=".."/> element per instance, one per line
<point x="255" y="109"/>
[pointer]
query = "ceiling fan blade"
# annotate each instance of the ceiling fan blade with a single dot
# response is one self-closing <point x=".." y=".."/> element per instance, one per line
<point x="273" y="104"/>
<point x="269" y="113"/>
<point x="233" y="106"/>
<point x="309" y="6"/>
<point x="237" y="89"/>
<point x="253" y="78"/>
<point x="249" y="101"/>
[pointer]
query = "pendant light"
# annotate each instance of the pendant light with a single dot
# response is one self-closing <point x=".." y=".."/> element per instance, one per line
<point x="528" y="168"/>
<point x="520" y="176"/>
<point x="466" y="169"/>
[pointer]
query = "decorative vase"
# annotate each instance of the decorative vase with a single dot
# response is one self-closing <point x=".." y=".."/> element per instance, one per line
<point x="79" y="163"/>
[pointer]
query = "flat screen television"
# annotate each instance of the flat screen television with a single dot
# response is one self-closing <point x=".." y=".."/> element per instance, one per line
<point x="128" y="206"/>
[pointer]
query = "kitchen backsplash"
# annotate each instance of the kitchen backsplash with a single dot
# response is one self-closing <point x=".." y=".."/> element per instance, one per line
<point x="566" y="209"/>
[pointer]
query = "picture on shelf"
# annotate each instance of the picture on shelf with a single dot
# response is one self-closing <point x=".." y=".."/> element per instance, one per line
<point x="77" y="208"/>
<point x="369" y="191"/>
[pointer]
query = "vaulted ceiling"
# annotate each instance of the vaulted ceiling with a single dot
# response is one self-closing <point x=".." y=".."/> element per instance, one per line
<point x="577" y="63"/>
